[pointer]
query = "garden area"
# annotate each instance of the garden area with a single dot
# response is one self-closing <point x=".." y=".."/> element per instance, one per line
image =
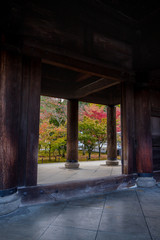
<point x="92" y="131"/>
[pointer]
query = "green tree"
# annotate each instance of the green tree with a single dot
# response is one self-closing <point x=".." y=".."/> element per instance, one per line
<point x="100" y="134"/>
<point x="52" y="133"/>
<point x="87" y="134"/>
<point x="95" y="118"/>
<point x="46" y="136"/>
<point x="60" y="141"/>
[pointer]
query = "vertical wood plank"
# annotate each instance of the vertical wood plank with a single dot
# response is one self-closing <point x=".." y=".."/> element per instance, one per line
<point x="155" y="123"/>
<point x="143" y="131"/>
<point x="23" y="124"/>
<point x="29" y="126"/>
<point x="128" y="129"/>
<point x="10" y="85"/>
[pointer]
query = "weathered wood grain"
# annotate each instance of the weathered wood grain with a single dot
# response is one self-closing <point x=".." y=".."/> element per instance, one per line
<point x="143" y="131"/>
<point x="155" y="127"/>
<point x="72" y="130"/>
<point x="109" y="96"/>
<point x="29" y="134"/>
<point x="10" y="87"/>
<point x="128" y="128"/>
<point x="95" y="86"/>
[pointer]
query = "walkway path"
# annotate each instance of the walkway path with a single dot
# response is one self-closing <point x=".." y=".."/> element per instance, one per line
<point x="56" y="172"/>
<point x="125" y="215"/>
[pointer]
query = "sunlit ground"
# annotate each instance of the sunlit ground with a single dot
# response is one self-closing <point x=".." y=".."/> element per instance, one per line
<point x="57" y="173"/>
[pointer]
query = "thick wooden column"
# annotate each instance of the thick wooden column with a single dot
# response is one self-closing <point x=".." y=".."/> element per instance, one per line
<point x="143" y="132"/>
<point x="29" y="122"/>
<point x="128" y="128"/>
<point x="111" y="136"/>
<point x="10" y="86"/>
<point x="143" y="138"/>
<point x="72" y="134"/>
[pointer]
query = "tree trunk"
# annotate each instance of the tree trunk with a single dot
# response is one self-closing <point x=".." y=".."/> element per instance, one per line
<point x="89" y="155"/>
<point x="99" y="153"/>
<point x="49" y="153"/>
<point x="83" y="149"/>
<point x="59" y="151"/>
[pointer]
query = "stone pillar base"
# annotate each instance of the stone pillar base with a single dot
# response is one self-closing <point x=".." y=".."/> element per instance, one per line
<point x="112" y="163"/>
<point x="146" y="182"/>
<point x="71" y="165"/>
<point x="9" y="204"/>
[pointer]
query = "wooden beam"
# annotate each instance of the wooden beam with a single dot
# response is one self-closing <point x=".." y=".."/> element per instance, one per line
<point x="101" y="100"/>
<point x="81" y="77"/>
<point x="72" y="29"/>
<point x="45" y="15"/>
<point x="109" y="96"/>
<point x="93" y="87"/>
<point x="148" y="51"/>
<point x="83" y="65"/>
<point x="100" y="70"/>
<point x="56" y="89"/>
<point x="54" y="73"/>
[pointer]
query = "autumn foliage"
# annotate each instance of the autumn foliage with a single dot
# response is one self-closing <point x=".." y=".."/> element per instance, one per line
<point x="53" y="127"/>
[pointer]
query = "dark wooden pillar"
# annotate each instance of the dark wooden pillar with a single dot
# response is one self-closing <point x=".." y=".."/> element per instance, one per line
<point x="143" y="132"/>
<point x="128" y="128"/>
<point x="10" y="92"/>
<point x="72" y="134"/>
<point x="111" y="136"/>
<point x="143" y="138"/>
<point x="29" y="121"/>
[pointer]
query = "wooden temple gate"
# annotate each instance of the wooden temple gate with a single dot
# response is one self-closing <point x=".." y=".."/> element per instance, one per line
<point x="84" y="51"/>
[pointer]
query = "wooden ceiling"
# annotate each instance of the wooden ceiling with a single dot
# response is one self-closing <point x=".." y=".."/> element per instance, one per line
<point x="137" y="10"/>
<point x="87" y="47"/>
<point x="58" y="82"/>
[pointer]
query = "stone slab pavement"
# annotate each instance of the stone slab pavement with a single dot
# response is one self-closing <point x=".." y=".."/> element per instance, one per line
<point x="56" y="172"/>
<point x="132" y="214"/>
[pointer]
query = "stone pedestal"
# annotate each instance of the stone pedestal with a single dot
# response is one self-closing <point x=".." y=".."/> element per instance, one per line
<point x="72" y="165"/>
<point x="146" y="182"/>
<point x="112" y="163"/>
<point x="9" y="203"/>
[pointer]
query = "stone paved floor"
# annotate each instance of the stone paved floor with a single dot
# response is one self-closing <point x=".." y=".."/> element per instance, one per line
<point x="56" y="172"/>
<point x="132" y="214"/>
